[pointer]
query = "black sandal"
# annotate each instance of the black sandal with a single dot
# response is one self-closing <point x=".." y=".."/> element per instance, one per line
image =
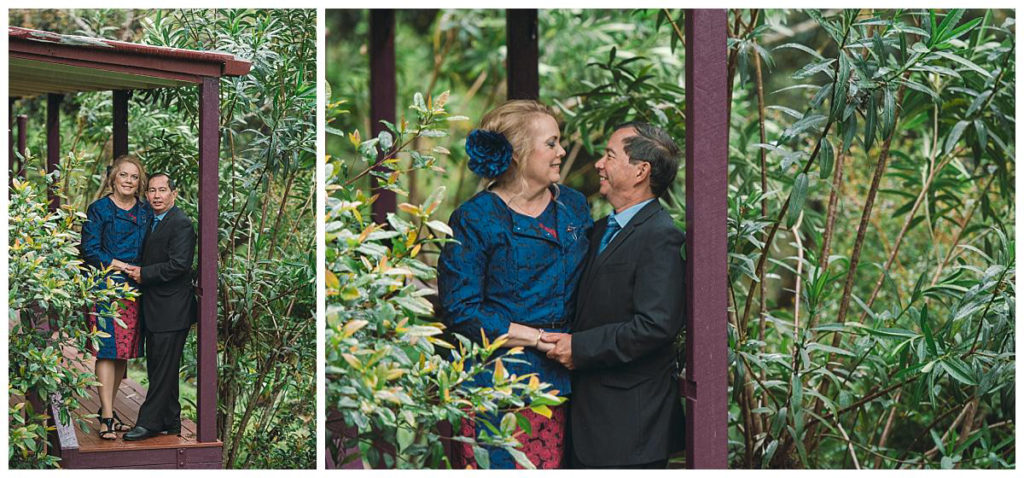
<point x="119" y="425"/>
<point x="109" y="433"/>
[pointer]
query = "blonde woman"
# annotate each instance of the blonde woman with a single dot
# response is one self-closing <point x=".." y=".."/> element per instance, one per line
<point x="112" y="237"/>
<point x="518" y="259"/>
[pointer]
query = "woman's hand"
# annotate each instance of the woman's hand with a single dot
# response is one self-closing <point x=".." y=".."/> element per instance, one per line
<point x="520" y="335"/>
<point x="119" y="265"/>
<point x="544" y="347"/>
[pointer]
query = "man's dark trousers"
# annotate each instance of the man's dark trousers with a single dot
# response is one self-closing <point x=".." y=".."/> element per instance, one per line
<point x="161" y="410"/>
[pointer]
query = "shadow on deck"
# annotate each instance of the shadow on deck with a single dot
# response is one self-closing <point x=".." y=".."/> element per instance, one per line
<point x="78" y="448"/>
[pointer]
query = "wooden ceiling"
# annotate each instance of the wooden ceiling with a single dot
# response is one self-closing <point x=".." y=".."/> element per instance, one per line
<point x="44" y="62"/>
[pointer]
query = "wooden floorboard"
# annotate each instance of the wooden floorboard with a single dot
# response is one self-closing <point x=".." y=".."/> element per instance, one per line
<point x="129" y="399"/>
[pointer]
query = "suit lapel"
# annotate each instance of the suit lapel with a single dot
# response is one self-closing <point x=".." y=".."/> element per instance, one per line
<point x="160" y="225"/>
<point x="623" y="235"/>
<point x="598" y="232"/>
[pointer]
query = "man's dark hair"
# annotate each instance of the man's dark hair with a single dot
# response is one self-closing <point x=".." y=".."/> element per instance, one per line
<point x="655" y="146"/>
<point x="170" y="180"/>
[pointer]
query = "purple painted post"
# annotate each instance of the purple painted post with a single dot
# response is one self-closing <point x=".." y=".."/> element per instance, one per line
<point x="383" y="89"/>
<point x="707" y="136"/>
<point x="10" y="137"/>
<point x="121" y="122"/>
<point x="521" y="44"/>
<point x="22" y="144"/>
<point x="209" y="156"/>
<point x="53" y="143"/>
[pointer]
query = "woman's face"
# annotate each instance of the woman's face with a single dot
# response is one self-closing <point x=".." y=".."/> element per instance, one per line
<point x="544" y="164"/>
<point x="126" y="180"/>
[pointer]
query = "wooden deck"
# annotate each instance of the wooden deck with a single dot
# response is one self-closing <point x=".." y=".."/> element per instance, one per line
<point x="81" y="449"/>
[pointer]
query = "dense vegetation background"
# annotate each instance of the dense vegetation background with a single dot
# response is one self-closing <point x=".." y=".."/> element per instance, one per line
<point x="266" y="317"/>
<point x="871" y="311"/>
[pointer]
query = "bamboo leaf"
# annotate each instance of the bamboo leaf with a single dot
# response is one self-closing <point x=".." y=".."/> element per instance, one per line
<point x="826" y="157"/>
<point x="954" y="135"/>
<point x="888" y="112"/>
<point x="797" y="198"/>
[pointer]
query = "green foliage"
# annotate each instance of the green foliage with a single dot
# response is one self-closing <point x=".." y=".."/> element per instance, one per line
<point x="49" y="292"/>
<point x="871" y="308"/>
<point x="391" y="375"/>
<point x="266" y="332"/>
<point x="926" y="275"/>
<point x="266" y="242"/>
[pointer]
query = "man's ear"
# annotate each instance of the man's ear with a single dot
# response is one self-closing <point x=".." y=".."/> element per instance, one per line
<point x="643" y="172"/>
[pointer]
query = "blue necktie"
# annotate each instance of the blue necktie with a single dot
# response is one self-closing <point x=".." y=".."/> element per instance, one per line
<point x="155" y="221"/>
<point x="609" y="231"/>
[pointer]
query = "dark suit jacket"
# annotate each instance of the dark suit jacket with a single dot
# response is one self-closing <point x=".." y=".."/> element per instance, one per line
<point x="168" y="298"/>
<point x="625" y="406"/>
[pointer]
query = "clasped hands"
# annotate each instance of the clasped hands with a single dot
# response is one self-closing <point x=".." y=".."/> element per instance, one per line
<point x="558" y="347"/>
<point x="135" y="272"/>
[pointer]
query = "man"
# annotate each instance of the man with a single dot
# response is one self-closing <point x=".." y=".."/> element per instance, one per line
<point x="168" y="307"/>
<point x="625" y="410"/>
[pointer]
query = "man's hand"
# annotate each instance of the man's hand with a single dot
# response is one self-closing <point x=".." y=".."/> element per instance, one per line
<point x="135" y="272"/>
<point x="562" y="351"/>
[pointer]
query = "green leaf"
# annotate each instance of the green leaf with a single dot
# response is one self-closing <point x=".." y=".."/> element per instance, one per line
<point x="841" y="85"/>
<point x="926" y="328"/>
<point x="888" y="112"/>
<point x="954" y="135"/>
<point x="870" y="122"/>
<point x="405" y="438"/>
<point x="483" y="459"/>
<point x="830" y="349"/>
<point x="827" y="157"/>
<point x="521" y="459"/>
<point x="796" y="201"/>
<point x="965" y="62"/>
<point x="960" y="371"/>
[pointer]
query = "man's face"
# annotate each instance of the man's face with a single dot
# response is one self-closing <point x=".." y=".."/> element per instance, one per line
<point x="160" y="196"/>
<point x="618" y="177"/>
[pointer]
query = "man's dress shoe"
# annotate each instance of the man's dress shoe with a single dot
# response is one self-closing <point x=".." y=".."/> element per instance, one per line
<point x="140" y="433"/>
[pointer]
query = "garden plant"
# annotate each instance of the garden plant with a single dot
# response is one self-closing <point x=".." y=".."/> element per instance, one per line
<point x="266" y="308"/>
<point x="871" y="170"/>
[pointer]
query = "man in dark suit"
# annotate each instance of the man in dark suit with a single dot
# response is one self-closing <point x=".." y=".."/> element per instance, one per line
<point x="168" y="307"/>
<point x="625" y="409"/>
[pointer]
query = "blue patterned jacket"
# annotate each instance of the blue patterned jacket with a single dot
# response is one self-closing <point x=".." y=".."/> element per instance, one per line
<point x="114" y="233"/>
<point x="504" y="270"/>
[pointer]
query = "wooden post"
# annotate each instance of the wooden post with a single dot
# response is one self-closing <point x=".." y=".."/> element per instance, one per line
<point x="382" y="96"/>
<point x="209" y="156"/>
<point x="11" y="163"/>
<point x="120" y="122"/>
<point x="22" y="144"/>
<point x="53" y="101"/>
<point x="521" y="45"/>
<point x="707" y="136"/>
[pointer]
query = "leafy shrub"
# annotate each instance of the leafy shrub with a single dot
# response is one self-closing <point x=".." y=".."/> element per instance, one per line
<point x="869" y="305"/>
<point x="391" y="374"/>
<point x="266" y="243"/>
<point x="49" y="292"/>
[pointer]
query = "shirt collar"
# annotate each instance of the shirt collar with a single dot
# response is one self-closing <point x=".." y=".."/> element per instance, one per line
<point x="160" y="217"/>
<point x="623" y="218"/>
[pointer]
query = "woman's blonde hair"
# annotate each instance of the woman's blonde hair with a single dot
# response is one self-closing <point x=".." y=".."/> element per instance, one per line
<point x="116" y="167"/>
<point x="514" y="120"/>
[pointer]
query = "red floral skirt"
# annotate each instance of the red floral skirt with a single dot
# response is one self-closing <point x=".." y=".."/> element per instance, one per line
<point x="545" y="447"/>
<point x="121" y="342"/>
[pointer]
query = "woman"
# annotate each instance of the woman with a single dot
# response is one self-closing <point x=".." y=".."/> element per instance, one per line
<point x="112" y="237"/>
<point x="519" y="256"/>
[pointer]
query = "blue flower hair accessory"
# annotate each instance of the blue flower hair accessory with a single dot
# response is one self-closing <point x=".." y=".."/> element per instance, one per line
<point x="490" y="153"/>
